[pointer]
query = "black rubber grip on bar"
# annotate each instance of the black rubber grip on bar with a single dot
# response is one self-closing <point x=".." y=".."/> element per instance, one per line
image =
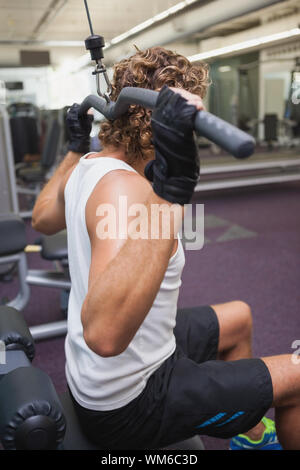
<point x="238" y="143"/>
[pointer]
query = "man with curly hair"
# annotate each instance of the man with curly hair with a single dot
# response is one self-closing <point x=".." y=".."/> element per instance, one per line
<point x="141" y="373"/>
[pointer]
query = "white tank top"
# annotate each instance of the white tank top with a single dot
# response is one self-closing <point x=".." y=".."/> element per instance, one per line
<point x="106" y="383"/>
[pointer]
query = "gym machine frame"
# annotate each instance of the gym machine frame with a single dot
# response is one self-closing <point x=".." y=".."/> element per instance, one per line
<point x="36" y="277"/>
<point x="9" y="200"/>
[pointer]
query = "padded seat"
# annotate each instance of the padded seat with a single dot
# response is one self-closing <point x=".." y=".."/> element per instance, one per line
<point x="55" y="247"/>
<point x="75" y="439"/>
<point x="32" y="174"/>
<point x="12" y="234"/>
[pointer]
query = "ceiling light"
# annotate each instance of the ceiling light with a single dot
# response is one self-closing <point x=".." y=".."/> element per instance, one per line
<point x="224" y="68"/>
<point x="155" y="19"/>
<point x="245" y="45"/>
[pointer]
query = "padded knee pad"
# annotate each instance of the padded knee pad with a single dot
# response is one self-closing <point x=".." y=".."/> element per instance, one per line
<point x="31" y="416"/>
<point x="14" y="332"/>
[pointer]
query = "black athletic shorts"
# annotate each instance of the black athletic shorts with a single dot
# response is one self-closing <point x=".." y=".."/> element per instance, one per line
<point x="190" y="393"/>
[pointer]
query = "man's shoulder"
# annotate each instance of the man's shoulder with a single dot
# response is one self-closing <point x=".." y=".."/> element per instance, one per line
<point x="116" y="193"/>
<point x="119" y="183"/>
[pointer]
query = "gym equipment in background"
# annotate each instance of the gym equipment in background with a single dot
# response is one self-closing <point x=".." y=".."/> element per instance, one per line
<point x="32" y="416"/>
<point x="24" y="125"/>
<point x="8" y="190"/>
<point x="270" y="129"/>
<point x="292" y="112"/>
<point x="36" y="173"/>
<point x="31" y="176"/>
<point x="24" y="178"/>
<point x="53" y="248"/>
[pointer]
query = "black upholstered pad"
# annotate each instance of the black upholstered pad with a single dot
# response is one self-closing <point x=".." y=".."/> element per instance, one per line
<point x="32" y="174"/>
<point x="14" y="332"/>
<point x="12" y="234"/>
<point x="54" y="247"/>
<point x="74" y="438"/>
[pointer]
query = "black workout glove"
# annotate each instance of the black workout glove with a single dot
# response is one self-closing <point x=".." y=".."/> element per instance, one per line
<point x="79" y="130"/>
<point x="175" y="170"/>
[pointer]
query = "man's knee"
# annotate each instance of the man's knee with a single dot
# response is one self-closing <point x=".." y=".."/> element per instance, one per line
<point x="243" y="316"/>
<point x="235" y="322"/>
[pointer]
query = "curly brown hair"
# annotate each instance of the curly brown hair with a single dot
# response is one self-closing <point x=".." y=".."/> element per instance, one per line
<point x="150" y="69"/>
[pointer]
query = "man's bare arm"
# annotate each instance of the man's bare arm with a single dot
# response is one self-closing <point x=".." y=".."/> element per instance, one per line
<point x="49" y="211"/>
<point x="48" y="215"/>
<point x="125" y="276"/>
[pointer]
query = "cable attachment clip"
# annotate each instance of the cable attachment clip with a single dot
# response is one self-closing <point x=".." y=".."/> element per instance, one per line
<point x="100" y="68"/>
<point x="95" y="44"/>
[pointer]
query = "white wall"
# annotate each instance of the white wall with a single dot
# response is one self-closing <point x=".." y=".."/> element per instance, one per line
<point x="35" y="82"/>
<point x="66" y="88"/>
<point x="47" y="88"/>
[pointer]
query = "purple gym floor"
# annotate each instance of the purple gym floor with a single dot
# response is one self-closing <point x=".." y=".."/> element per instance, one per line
<point x="252" y="253"/>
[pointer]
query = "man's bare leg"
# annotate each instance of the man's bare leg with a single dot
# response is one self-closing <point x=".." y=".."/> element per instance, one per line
<point x="235" y="322"/>
<point x="235" y="335"/>
<point x="235" y="340"/>
<point x="286" y="399"/>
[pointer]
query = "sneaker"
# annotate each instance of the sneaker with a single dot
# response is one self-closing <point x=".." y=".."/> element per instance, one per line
<point x="268" y="441"/>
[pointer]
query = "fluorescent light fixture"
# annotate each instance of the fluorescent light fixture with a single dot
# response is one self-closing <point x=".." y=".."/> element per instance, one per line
<point x="151" y="21"/>
<point x="132" y="31"/>
<point x="224" y="68"/>
<point x="61" y="43"/>
<point x="245" y="45"/>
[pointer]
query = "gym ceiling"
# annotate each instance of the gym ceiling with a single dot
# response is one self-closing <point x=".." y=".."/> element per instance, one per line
<point x="60" y="26"/>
